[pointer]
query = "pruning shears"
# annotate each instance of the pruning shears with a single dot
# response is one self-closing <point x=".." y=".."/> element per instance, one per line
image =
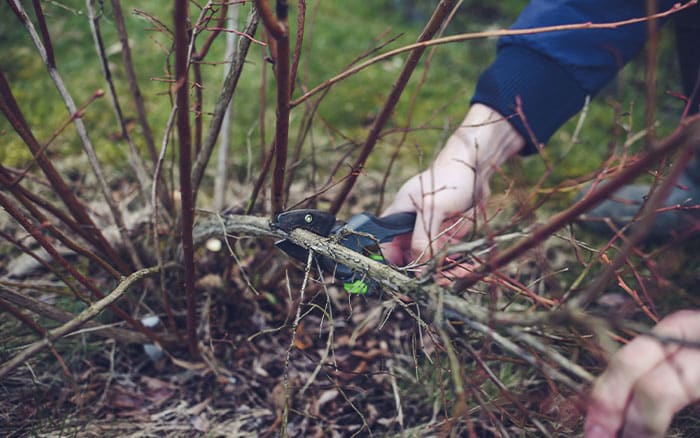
<point x="362" y="233"/>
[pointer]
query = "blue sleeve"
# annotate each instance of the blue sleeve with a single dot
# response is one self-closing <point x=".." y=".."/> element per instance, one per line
<point x="552" y="73"/>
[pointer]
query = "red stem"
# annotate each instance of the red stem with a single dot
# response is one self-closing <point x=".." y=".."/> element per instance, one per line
<point x="301" y="20"/>
<point x="215" y="31"/>
<point x="50" y="57"/>
<point x="19" y="193"/>
<point x="277" y="27"/>
<point x="36" y="233"/>
<point x="181" y="18"/>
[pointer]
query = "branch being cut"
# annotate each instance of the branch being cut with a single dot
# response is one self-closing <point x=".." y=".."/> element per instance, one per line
<point x="432" y="296"/>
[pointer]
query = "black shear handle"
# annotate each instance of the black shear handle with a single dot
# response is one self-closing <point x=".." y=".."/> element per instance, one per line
<point x="383" y="228"/>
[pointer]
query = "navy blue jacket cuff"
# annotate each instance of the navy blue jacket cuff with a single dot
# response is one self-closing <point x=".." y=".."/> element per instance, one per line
<point x="549" y="96"/>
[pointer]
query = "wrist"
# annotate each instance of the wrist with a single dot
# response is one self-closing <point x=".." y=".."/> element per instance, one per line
<point x="482" y="142"/>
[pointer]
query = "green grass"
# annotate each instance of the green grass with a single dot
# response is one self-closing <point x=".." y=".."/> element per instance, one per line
<point x="340" y="32"/>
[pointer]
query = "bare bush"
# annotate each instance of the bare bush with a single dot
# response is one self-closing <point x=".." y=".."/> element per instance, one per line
<point x="243" y="333"/>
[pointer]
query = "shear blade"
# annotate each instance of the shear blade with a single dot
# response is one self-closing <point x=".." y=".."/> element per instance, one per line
<point x="293" y="250"/>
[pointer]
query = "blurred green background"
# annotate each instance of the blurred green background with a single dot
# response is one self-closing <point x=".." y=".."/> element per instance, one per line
<point x="337" y="32"/>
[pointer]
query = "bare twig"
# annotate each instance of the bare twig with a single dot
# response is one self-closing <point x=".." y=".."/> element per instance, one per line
<point x="156" y="218"/>
<point x="223" y="100"/>
<point x="647" y="216"/>
<point x="133" y="155"/>
<point x="133" y="82"/>
<point x="93" y="310"/>
<point x="292" y="342"/>
<point x="38" y="307"/>
<point x="45" y="36"/>
<point x="222" y="158"/>
<point x="278" y="28"/>
<point x="296" y="57"/>
<point x="652" y="53"/>
<point x="265" y="156"/>
<point x="81" y="111"/>
<point x="87" y="228"/>
<point x="90" y="285"/>
<point x="20" y="194"/>
<point x="214" y="32"/>
<point x="198" y="85"/>
<point x="41" y="331"/>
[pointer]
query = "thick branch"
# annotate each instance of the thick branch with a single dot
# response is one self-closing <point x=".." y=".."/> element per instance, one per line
<point x="181" y="20"/>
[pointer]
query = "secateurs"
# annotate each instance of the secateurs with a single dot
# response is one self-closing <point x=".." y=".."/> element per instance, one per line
<point x="362" y="233"/>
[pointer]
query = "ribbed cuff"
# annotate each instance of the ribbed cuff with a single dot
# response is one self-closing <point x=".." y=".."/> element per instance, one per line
<point x="549" y="95"/>
<point x="687" y="38"/>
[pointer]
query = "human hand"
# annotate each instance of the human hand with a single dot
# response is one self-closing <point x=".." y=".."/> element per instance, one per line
<point x="439" y="196"/>
<point x="647" y="382"/>
<point x="455" y="182"/>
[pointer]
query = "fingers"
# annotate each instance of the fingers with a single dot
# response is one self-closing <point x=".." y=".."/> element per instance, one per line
<point x="438" y="196"/>
<point x="647" y="382"/>
<point x="613" y="388"/>
<point x="397" y="252"/>
<point x="426" y="232"/>
<point x="419" y="245"/>
<point x="664" y="391"/>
